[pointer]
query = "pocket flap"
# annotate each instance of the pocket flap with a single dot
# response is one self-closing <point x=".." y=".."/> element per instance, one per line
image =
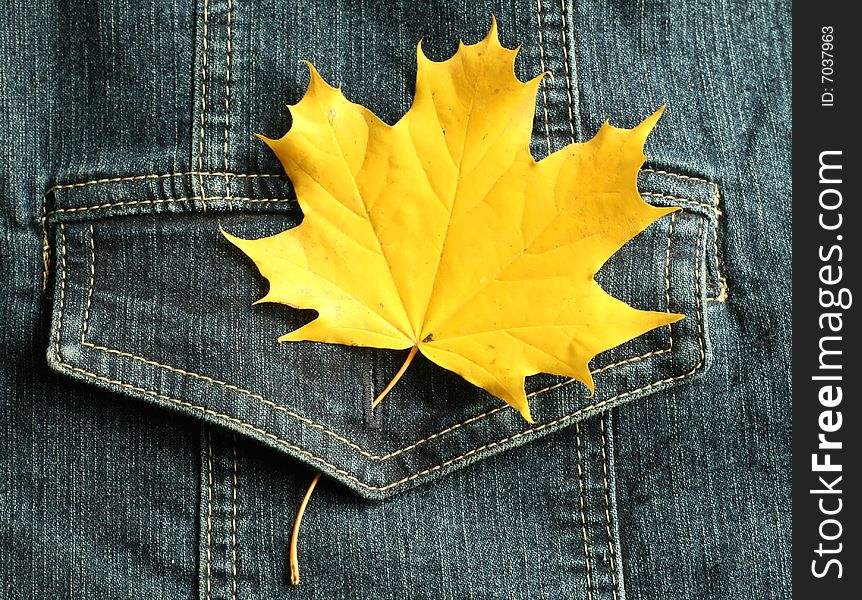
<point x="150" y="301"/>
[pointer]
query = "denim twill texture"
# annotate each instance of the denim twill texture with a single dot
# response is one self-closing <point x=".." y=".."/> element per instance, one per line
<point x="157" y="441"/>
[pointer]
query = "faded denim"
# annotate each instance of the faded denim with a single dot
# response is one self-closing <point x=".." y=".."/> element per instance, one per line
<point x="157" y="440"/>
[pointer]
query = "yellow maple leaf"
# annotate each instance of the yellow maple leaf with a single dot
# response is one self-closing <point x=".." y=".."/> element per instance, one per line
<point x="443" y="235"/>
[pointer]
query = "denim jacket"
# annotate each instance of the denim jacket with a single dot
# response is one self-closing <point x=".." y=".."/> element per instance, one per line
<point x="157" y="440"/>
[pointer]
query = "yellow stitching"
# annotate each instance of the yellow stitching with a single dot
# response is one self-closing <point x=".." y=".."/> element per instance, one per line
<point x="229" y="193"/>
<point x="542" y="65"/>
<point x="581" y="510"/>
<point x="722" y="288"/>
<point x="697" y="295"/>
<point x="678" y="176"/>
<point x="62" y="288"/>
<point x="227" y="60"/>
<point x="202" y="129"/>
<point x="233" y="525"/>
<point x="89" y="287"/>
<point x="709" y="207"/>
<point x="162" y="201"/>
<point x="308" y="421"/>
<point x="209" y="511"/>
<point x="66" y="186"/>
<point x="566" y="67"/>
<point x="438" y="467"/>
<point x="46" y="248"/>
<point x="611" y="554"/>
<point x="632" y="359"/>
<point x="667" y="275"/>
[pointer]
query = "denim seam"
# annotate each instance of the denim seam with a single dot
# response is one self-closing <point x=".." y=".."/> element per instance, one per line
<point x="202" y="128"/>
<point x="46" y="247"/>
<point x="584" y="537"/>
<point x="85" y="325"/>
<point x="322" y="428"/>
<point x="612" y="493"/>
<point x="666" y="276"/>
<point x="108" y="205"/>
<point x="544" y="71"/>
<point x="233" y="569"/>
<point x="683" y="177"/>
<point x="227" y="82"/>
<point x="231" y="175"/>
<point x="209" y="513"/>
<point x="611" y="554"/>
<point x="218" y="553"/>
<point x="337" y="470"/>
<point x="569" y="92"/>
<point x="62" y="287"/>
<point x="722" y="281"/>
<point x="715" y="212"/>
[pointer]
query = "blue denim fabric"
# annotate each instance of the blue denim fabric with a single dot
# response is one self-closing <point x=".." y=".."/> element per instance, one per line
<point x="157" y="440"/>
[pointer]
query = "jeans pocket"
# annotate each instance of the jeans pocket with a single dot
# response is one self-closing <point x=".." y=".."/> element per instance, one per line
<point x="150" y="301"/>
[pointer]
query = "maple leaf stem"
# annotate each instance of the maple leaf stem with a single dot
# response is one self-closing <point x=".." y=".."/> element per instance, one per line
<point x="294" y="538"/>
<point x="398" y="375"/>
